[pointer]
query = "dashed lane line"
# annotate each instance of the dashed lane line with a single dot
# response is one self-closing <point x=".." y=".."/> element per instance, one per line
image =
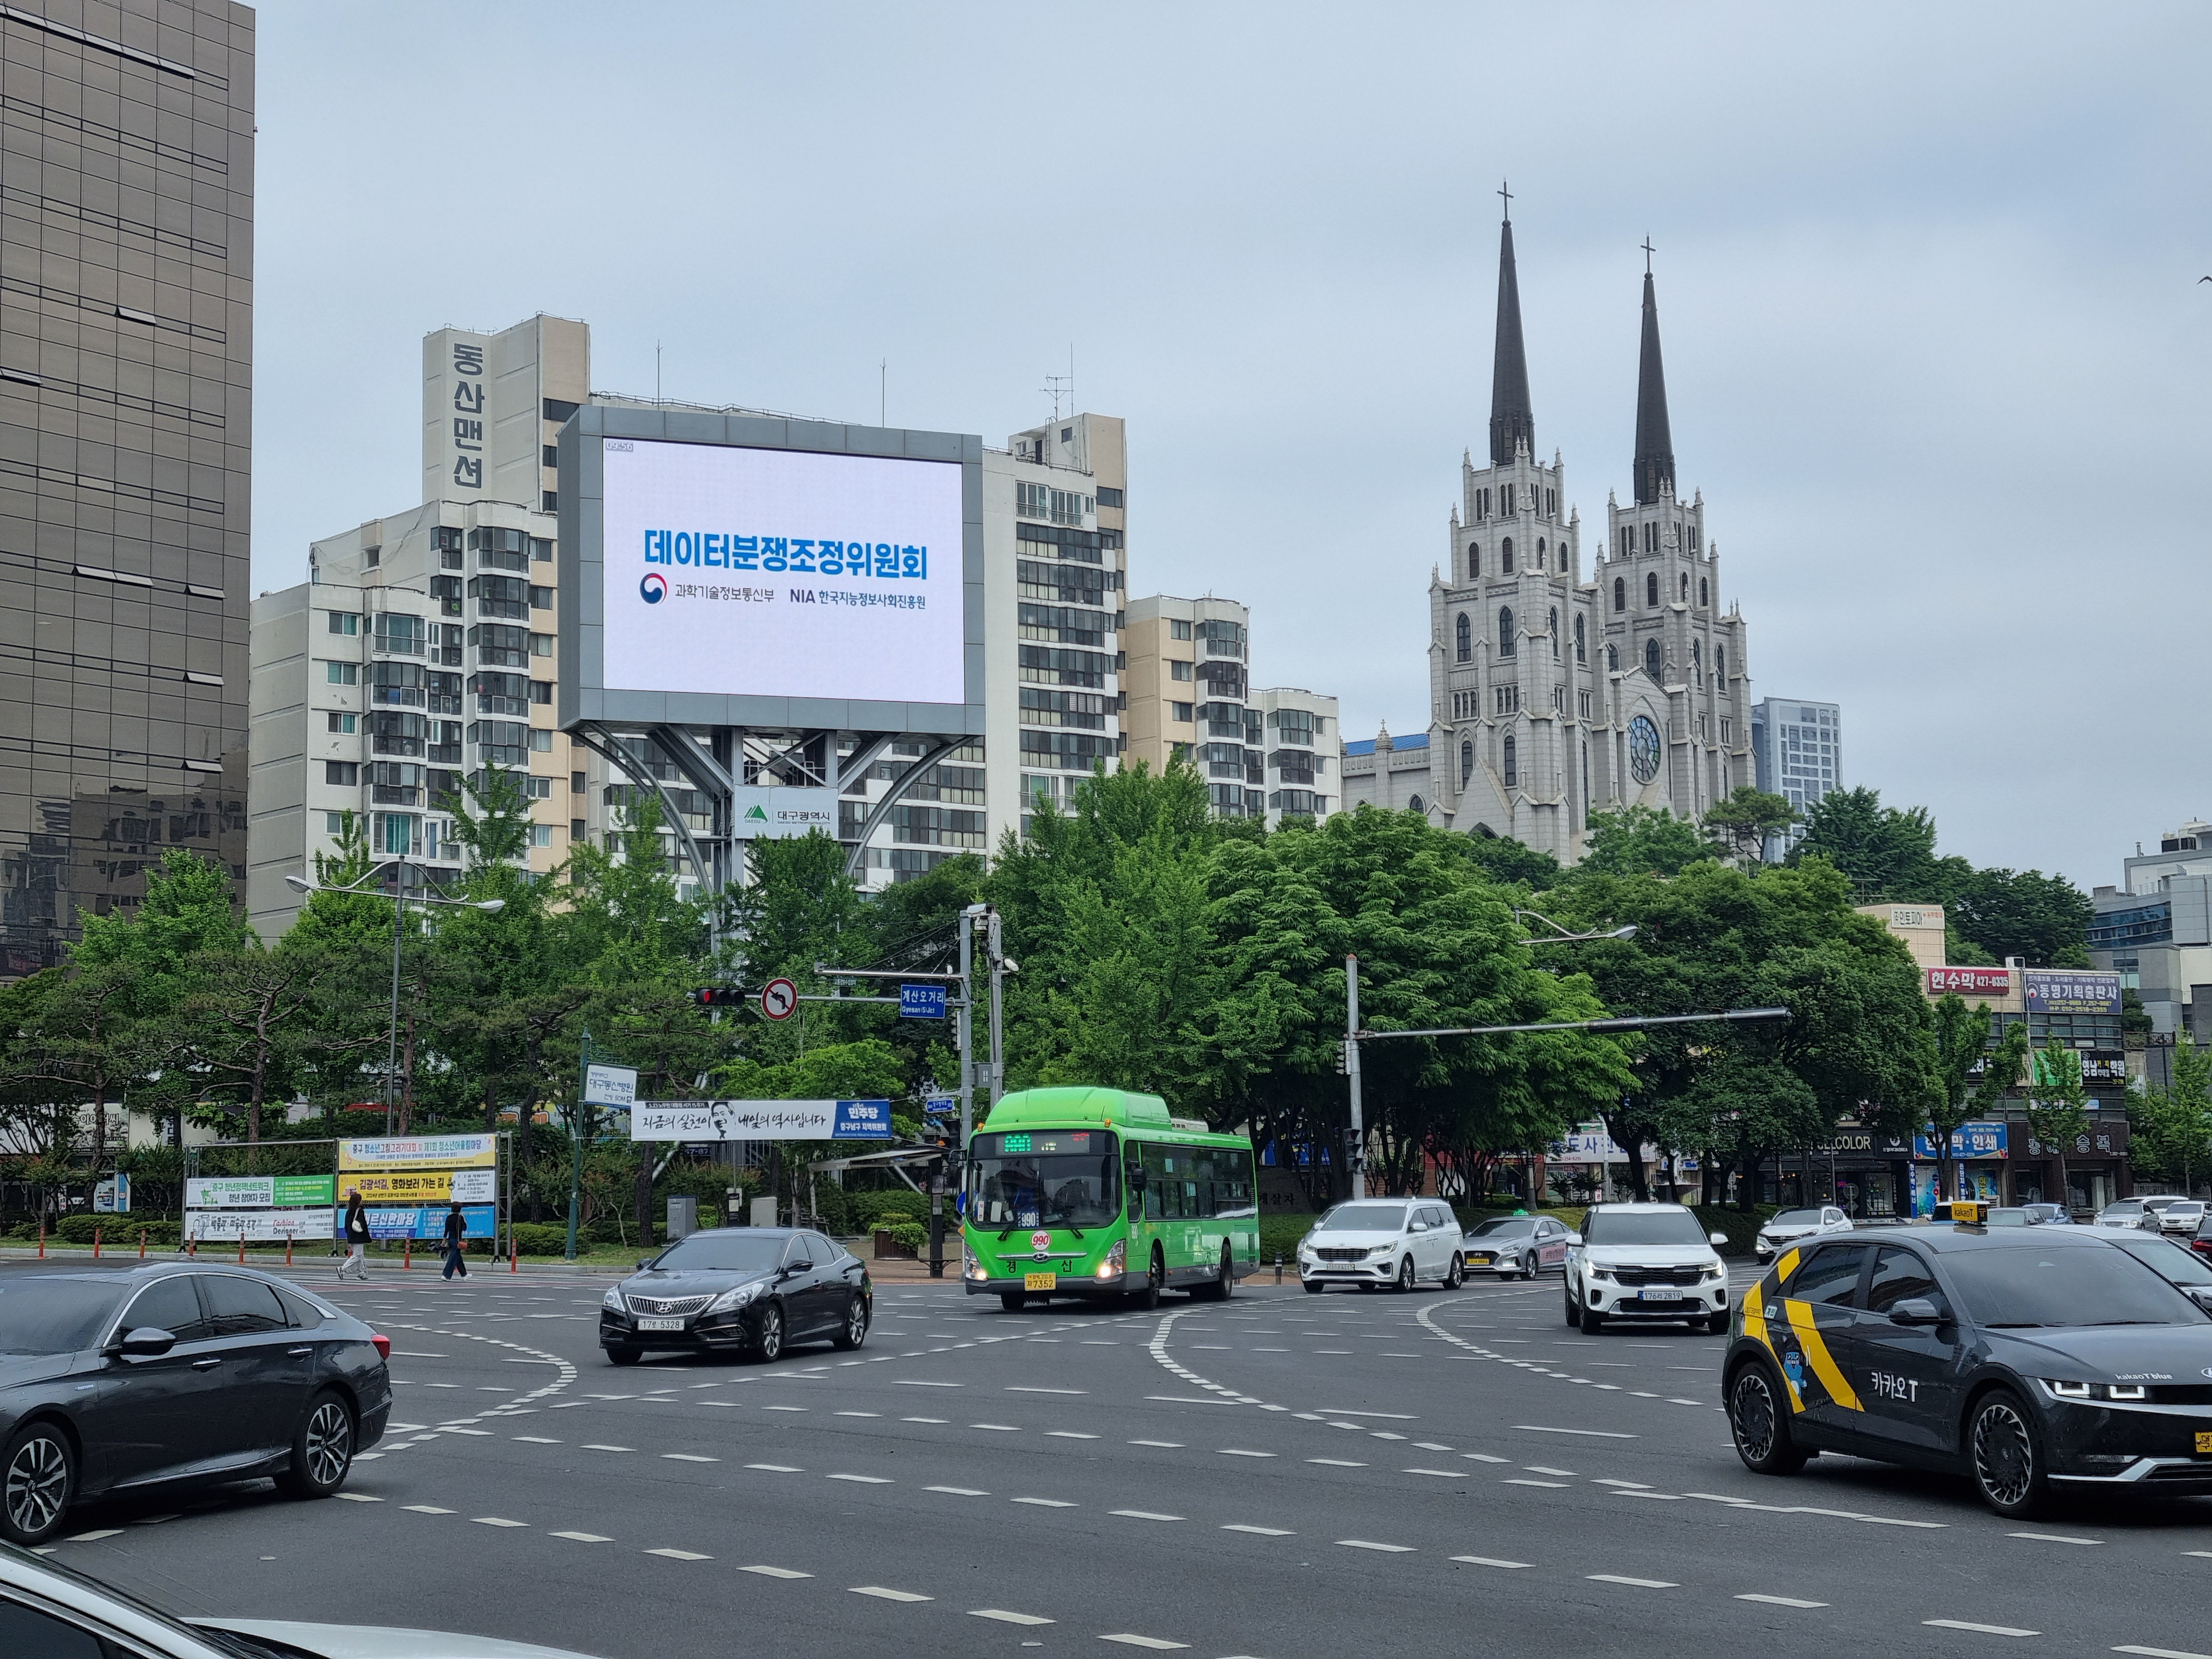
<point x="1490" y="1561"/>
<point x="1780" y="1600"/>
<point x="1006" y="1617"/>
<point x="1145" y="1515"/>
<point x="1632" y="1583"/>
<point x="1369" y="1544"/>
<point x="680" y="1555"/>
<point x="1979" y="1630"/>
<point x="583" y="1537"/>
<point x="1129" y="1640"/>
<point x="776" y="1572"/>
<point x="882" y="1593"/>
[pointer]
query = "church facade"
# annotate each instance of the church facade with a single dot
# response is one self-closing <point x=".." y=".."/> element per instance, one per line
<point x="1565" y="679"/>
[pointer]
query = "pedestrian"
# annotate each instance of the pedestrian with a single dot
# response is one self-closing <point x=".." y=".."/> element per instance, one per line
<point x="357" y="1236"/>
<point x="457" y="1229"/>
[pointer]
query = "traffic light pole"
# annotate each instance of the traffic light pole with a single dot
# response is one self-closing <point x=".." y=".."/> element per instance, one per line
<point x="576" y="1140"/>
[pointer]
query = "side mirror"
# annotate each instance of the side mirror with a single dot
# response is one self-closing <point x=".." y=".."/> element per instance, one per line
<point x="644" y="1262"/>
<point x="1417" y="1227"/>
<point x="1916" y="1311"/>
<point x="1718" y="1241"/>
<point x="1574" y="1238"/>
<point x="148" y="1341"/>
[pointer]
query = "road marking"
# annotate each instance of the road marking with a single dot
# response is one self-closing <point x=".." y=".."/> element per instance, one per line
<point x="1391" y="1416"/>
<point x="1385" y="1434"/>
<point x="776" y="1572"/>
<point x="859" y="1414"/>
<point x="680" y="1555"/>
<point x="776" y="1468"/>
<point x="2053" y="1538"/>
<point x="1633" y="1583"/>
<point x="999" y="1428"/>
<point x="425" y="1508"/>
<point x="1012" y="1388"/>
<point x="1127" y="1639"/>
<point x="1067" y="1434"/>
<point x="1172" y="1445"/>
<point x="1625" y="1485"/>
<point x="783" y="1409"/>
<point x="495" y="1521"/>
<point x="1144" y="1515"/>
<point x="1985" y="1630"/>
<point x="883" y="1595"/>
<point x="861" y="1480"/>
<point x="918" y="1419"/>
<point x="612" y="1448"/>
<point x="958" y="1491"/>
<point x="2163" y="1653"/>
<point x="1442" y="1474"/>
<point x="1484" y="1457"/>
<point x="1369" y="1544"/>
<point x="1782" y="1601"/>
<point x="537" y="1440"/>
<point x="1046" y="1503"/>
<point x="1430" y="1445"/>
<point x="1187" y="1399"/>
<point x="359" y="1498"/>
<point x="1594" y="1434"/>
<point x="1538" y="1468"/>
<point x="1231" y="1451"/>
<point x="1488" y="1561"/>
<point x="688" y="1457"/>
<point x="1517" y="1481"/>
<point x="1006" y="1617"/>
<point x="583" y="1537"/>
<point x="446" y="1430"/>
<point x="917" y="1382"/>
<point x="1260" y="1532"/>
<point x="1337" y="1462"/>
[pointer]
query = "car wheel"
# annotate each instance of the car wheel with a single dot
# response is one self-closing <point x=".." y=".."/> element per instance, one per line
<point x="1454" y="1275"/>
<point x="36" y="1485"/>
<point x="622" y="1356"/>
<point x="1405" y="1276"/>
<point x="768" y="1345"/>
<point x="1758" y="1422"/>
<point x="2007" y="1462"/>
<point x="1012" y="1301"/>
<point x="855" y="1331"/>
<point x="1314" y="1286"/>
<point x="1529" y="1267"/>
<point x="322" y="1449"/>
<point x="1574" y="1310"/>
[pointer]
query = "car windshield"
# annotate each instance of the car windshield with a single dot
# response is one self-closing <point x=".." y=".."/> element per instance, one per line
<point x="2167" y="1259"/>
<point x="54" y="1316"/>
<point x="724" y="1250"/>
<point x="1672" y="1227"/>
<point x="1797" y="1218"/>
<point x="2036" y="1285"/>
<point x="2119" y="1211"/>
<point x="1503" y="1226"/>
<point x="1362" y="1219"/>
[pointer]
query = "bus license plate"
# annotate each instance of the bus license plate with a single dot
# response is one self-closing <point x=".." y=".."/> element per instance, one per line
<point x="661" y="1324"/>
<point x="2204" y="1441"/>
<point x="1040" y="1281"/>
<point x="1660" y="1295"/>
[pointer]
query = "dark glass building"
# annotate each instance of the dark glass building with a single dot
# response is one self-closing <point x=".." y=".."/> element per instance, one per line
<point x="126" y="351"/>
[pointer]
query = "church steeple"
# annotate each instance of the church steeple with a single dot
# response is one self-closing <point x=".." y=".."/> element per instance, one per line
<point x="1653" y="466"/>
<point x="1511" y="420"/>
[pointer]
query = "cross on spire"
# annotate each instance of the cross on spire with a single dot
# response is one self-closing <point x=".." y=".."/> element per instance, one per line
<point x="1507" y="195"/>
<point x="1648" y="252"/>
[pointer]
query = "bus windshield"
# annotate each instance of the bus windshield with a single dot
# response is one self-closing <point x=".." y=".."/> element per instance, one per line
<point x="1048" y="1178"/>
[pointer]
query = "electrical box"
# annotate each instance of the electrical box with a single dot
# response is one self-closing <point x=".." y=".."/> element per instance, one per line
<point x="764" y="1212"/>
<point x="683" y="1215"/>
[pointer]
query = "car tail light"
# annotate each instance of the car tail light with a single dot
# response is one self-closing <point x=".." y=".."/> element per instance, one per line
<point x="383" y="1346"/>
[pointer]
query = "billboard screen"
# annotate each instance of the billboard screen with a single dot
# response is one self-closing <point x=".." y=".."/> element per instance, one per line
<point x="782" y="573"/>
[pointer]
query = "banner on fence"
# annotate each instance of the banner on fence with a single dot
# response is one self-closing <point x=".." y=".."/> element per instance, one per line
<point x="257" y="1192"/>
<point x="426" y="1187"/>
<point x="420" y="1153"/>
<point x="428" y="1222"/>
<point x="260" y="1224"/>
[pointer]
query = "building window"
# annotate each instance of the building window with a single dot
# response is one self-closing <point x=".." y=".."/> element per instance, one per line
<point x="1512" y="764"/>
<point x="1178" y="669"/>
<point x="1698" y="659"/>
<point x="1555" y="633"/>
<point x="541" y="739"/>
<point x="345" y="725"/>
<point x="1109" y="496"/>
<point x="548" y="456"/>
<point x="1541" y="549"/>
<point x="1505" y="555"/>
<point x="1178" y="628"/>
<point x="541" y="834"/>
<point x="1705" y="593"/>
<point x="1651" y="590"/>
<point x="371" y="557"/>
<point x="342" y="673"/>
<point x="344" y="774"/>
<point x="548" y="501"/>
<point x="1505" y="630"/>
<point x="556" y="409"/>
<point x="1620" y="593"/>
<point x="1720" y="665"/>
<point x="1179" y="711"/>
<point x="335" y="823"/>
<point x="1686" y="587"/>
<point x="1651" y="658"/>
<point x="1466" y="763"/>
<point x="1505" y="494"/>
<point x="1726" y="726"/>
<point x="1611" y="660"/>
<point x="1584" y="699"/>
<point x="1464" y="632"/>
<point x="1474" y="561"/>
<point x="345" y="621"/>
<point x="537" y="788"/>
<point x="1416" y="805"/>
<point x="1582" y="653"/>
<point x="1651" y="538"/>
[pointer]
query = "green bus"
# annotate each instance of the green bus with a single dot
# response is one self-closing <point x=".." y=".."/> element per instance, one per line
<point x="1099" y="1192"/>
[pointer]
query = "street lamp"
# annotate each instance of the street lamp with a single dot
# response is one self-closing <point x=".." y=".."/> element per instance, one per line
<point x="301" y="884"/>
<point x="1561" y="936"/>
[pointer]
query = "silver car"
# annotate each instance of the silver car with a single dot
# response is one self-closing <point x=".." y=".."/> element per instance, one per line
<point x="1794" y="1226"/>
<point x="1512" y="1246"/>
<point x="1374" y="1242"/>
<point x="2181" y="1216"/>
<point x="2137" y="1212"/>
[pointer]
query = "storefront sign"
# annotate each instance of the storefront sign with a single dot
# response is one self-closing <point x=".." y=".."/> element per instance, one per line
<point x="2062" y="991"/>
<point x="1970" y="982"/>
<point x="1968" y="1140"/>
<point x="2104" y="1068"/>
<point x="421" y="1152"/>
<point x="1861" y="1143"/>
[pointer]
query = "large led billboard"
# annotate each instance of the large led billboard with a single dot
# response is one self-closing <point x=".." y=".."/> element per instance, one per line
<point x="780" y="573"/>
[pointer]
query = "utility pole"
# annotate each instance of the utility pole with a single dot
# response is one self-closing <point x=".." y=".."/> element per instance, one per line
<point x="967" y="1020"/>
<point x="576" y="1126"/>
<point x="991" y="941"/>
<point x="1358" y="1148"/>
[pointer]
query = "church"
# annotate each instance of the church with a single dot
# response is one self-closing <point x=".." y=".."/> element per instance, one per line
<point x="1553" y="694"/>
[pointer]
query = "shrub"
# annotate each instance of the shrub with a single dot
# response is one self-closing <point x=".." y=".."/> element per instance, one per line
<point x="910" y="1235"/>
<point x="540" y="1238"/>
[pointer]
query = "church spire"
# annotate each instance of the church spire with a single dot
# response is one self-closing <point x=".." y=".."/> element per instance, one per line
<point x="1653" y="466"/>
<point x="1511" y="420"/>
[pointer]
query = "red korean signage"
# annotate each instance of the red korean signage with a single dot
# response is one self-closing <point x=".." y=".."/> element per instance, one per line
<point x="1970" y="982"/>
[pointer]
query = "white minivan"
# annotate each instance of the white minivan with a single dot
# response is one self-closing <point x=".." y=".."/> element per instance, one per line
<point x="1370" y="1242"/>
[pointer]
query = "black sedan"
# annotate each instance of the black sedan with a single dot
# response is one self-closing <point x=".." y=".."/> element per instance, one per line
<point x="114" y="1382"/>
<point x="2035" y="1360"/>
<point x="739" y="1290"/>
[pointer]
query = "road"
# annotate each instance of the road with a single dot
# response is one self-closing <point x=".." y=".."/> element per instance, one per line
<point x="1284" y="1475"/>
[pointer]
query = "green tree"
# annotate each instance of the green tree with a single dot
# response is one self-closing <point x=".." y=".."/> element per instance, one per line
<point x="1888" y="854"/>
<point x="2170" y="1127"/>
<point x="2057" y="1105"/>
<point x="2043" y="919"/>
<point x="1742" y="824"/>
<point x="1969" y="1076"/>
<point x="1641" y="841"/>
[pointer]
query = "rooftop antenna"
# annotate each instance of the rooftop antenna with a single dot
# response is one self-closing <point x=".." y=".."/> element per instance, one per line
<point x="656" y="371"/>
<point x="1058" y="386"/>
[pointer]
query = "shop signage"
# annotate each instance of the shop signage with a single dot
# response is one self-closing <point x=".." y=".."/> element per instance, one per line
<point x="1972" y="1140"/>
<point x="1970" y="982"/>
<point x="1862" y="1142"/>
<point x="2062" y="991"/>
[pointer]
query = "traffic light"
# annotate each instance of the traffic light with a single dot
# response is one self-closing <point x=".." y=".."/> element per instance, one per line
<point x="717" y="996"/>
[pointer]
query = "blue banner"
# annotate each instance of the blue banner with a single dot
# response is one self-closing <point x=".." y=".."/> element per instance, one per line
<point x="862" y="1120"/>
<point x="1967" y="1140"/>
<point x="400" y="1221"/>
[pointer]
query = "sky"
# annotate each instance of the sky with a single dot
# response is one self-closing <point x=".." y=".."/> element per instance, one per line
<point x="1937" y="355"/>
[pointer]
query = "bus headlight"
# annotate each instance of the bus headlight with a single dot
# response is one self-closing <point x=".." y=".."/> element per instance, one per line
<point x="1116" y="1258"/>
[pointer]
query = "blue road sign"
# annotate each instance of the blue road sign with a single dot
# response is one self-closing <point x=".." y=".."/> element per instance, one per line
<point x="921" y="1002"/>
<point x="862" y="1120"/>
<point x="940" y="1105"/>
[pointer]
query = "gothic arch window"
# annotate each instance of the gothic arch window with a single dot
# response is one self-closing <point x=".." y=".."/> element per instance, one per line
<point x="1563" y="556"/>
<point x="1505" y="630"/>
<point x="1582" y="654"/>
<point x="1464" y="632"/>
<point x="1466" y="763"/>
<point x="1651" y="590"/>
<point x="1720" y="665"/>
<point x="1512" y="765"/>
<point x="1705" y="593"/>
<point x="1505" y="556"/>
<point x="1651" y="538"/>
<point x="1555" y="633"/>
<point x="1620" y="593"/>
<point x="1651" y="658"/>
<point x="1540" y="551"/>
<point x="1686" y="587"/>
<point x="1611" y="660"/>
<point x="1697" y="658"/>
<point x="1416" y="805"/>
<point x="1474" y="561"/>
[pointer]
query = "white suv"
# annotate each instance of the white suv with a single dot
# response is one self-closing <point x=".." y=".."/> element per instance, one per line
<point x="1644" y="1261"/>
<point x="1379" y="1241"/>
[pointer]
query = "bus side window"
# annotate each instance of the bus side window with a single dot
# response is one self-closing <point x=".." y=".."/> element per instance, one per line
<point x="1206" y="1167"/>
<point x="1156" y="1196"/>
<point x="1133" y="1169"/>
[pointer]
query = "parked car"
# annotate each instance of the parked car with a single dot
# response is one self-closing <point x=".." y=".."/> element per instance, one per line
<point x="2133" y="1212"/>
<point x="1512" y="1246"/>
<point x="47" y="1610"/>
<point x="1645" y="1262"/>
<point x="2184" y="1216"/>
<point x="1789" y="1227"/>
<point x="742" y="1289"/>
<point x="2047" y="1215"/>
<point x="2171" y="1260"/>
<point x="2201" y="1240"/>
<point x="113" y="1382"/>
<point x="1373" y="1242"/>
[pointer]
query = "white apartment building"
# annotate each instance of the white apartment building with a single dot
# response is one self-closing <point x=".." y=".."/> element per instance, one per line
<point x="1303" y="758"/>
<point x="1190" y="695"/>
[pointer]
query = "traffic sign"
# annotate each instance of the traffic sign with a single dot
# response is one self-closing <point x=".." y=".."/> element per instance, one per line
<point x="940" y="1105"/>
<point x="779" y="999"/>
<point x="921" y="1002"/>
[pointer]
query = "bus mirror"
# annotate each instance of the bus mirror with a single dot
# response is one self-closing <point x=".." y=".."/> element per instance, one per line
<point x="1136" y="1177"/>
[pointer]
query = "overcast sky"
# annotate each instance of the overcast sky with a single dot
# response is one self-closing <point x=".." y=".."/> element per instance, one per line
<point x="1936" y="351"/>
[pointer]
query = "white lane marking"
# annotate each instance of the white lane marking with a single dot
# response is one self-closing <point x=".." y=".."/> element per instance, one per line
<point x="584" y="1537"/>
<point x="1594" y="1434"/>
<point x="1625" y="1485"/>
<point x="883" y="1594"/>
<point x="859" y="1414"/>
<point x="1369" y="1544"/>
<point x="1067" y="1434"/>
<point x="1145" y="1515"/>
<point x="917" y="1382"/>
<point x="1516" y="1482"/>
<point x="997" y="1428"/>
<point x="1046" y="1503"/>
<point x="1260" y="1532"/>
<point x="1187" y="1399"/>
<point x="776" y="1468"/>
<point x="776" y="1572"/>
<point x="1429" y="1445"/>
<point x="1489" y="1561"/>
<point x="1172" y="1445"/>
<point x="1006" y="1617"/>
<point x="783" y="1409"/>
<point x="612" y="1448"/>
<point x="359" y="1498"/>
<point x="1232" y="1451"/>
<point x="1012" y="1388"/>
<point x="959" y="1492"/>
<point x="496" y="1521"/>
<point x="425" y="1508"/>
<point x="1131" y="1640"/>
<point x="1392" y="1417"/>
<point x="922" y="1419"/>
<point x="680" y="1555"/>
<point x="1336" y="1462"/>
<point x="2164" y="1653"/>
<point x="862" y="1479"/>
<point x="1985" y="1630"/>
<point x="1484" y="1457"/>
<point x="1538" y="1468"/>
<point x="689" y="1457"/>
<point x="2053" y="1538"/>
<point x="1633" y="1583"/>
<point x="1384" y="1434"/>
<point x="537" y="1440"/>
<point x="1781" y="1600"/>
<point x="447" y="1429"/>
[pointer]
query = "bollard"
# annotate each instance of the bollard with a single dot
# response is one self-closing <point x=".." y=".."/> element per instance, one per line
<point x="407" y="1253"/>
<point x="1278" y="1267"/>
<point x="513" y="1254"/>
<point x="142" y="1244"/>
<point x="288" y="1250"/>
<point x="241" y="1249"/>
<point x="42" y="1239"/>
<point x="192" y="1253"/>
<point x="95" y="1243"/>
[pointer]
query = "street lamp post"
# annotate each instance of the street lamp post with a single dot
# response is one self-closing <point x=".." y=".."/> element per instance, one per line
<point x="301" y="884"/>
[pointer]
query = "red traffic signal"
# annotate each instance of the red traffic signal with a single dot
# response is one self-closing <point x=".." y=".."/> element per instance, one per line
<point x="717" y="996"/>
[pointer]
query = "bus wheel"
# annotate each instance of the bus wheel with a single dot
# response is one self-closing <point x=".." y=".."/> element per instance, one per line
<point x="1223" y="1284"/>
<point x="1149" y="1297"/>
<point x="1010" y="1301"/>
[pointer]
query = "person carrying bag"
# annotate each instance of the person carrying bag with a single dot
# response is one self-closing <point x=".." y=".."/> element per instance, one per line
<point x="457" y="1230"/>
<point x="356" y="1237"/>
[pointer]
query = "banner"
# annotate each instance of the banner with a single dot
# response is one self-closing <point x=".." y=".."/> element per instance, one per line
<point x="426" y="1187"/>
<point x="761" y="1119"/>
<point x="392" y="1221"/>
<point x="2062" y="991"/>
<point x="257" y="1192"/>
<point x="609" y="1085"/>
<point x="252" y="1224"/>
<point x="420" y="1153"/>
<point x="1970" y="982"/>
<point x="1967" y="1140"/>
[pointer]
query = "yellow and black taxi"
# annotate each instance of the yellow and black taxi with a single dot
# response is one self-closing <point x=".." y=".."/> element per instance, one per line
<point x="2035" y="1360"/>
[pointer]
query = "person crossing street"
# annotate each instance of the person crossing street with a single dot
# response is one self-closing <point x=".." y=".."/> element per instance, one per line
<point x="457" y="1229"/>
<point x="356" y="1237"/>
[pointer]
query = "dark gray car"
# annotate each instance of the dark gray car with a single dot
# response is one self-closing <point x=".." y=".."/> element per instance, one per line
<point x="739" y="1289"/>
<point x="112" y="1382"/>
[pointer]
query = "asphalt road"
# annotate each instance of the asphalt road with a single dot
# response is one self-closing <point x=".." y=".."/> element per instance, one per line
<point x="1284" y="1475"/>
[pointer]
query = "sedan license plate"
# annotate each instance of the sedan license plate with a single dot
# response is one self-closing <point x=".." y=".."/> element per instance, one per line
<point x="1668" y="1295"/>
<point x="661" y="1324"/>
<point x="1478" y="1256"/>
<point x="1040" y="1281"/>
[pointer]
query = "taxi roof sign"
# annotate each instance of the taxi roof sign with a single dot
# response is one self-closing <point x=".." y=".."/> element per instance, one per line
<point x="1969" y="1213"/>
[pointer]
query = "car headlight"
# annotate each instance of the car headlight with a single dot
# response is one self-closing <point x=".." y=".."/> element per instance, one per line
<point x="736" y="1299"/>
<point x="1716" y="1270"/>
<point x="1382" y="1249"/>
<point x="1116" y="1258"/>
<point x="1595" y="1271"/>
<point x="613" y="1301"/>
